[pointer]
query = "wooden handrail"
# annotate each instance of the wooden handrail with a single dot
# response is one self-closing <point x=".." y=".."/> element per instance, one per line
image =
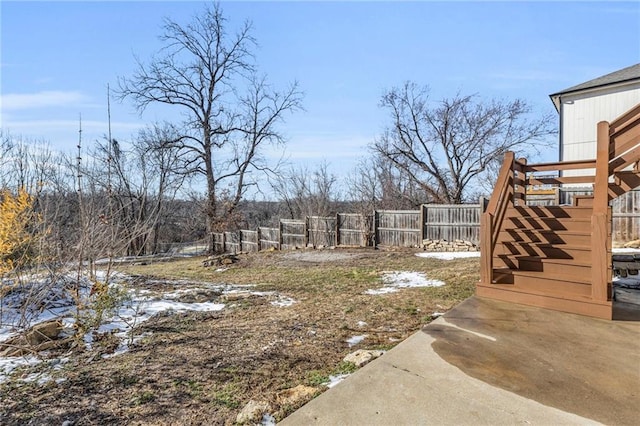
<point x="559" y="180"/>
<point x="621" y="121"/>
<point x="501" y="188"/>
<point x="625" y="160"/>
<point x="491" y="219"/>
<point x="562" y="165"/>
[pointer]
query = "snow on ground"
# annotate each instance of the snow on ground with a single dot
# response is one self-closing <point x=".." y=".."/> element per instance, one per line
<point x="57" y="301"/>
<point x="354" y="340"/>
<point x="268" y="420"/>
<point x="630" y="281"/>
<point x="625" y="250"/>
<point x="8" y="364"/>
<point x="334" y="380"/>
<point x="393" y="281"/>
<point x="449" y="255"/>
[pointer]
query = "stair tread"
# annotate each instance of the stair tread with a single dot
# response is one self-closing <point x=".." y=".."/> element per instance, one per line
<point x="563" y="207"/>
<point x="560" y="246"/>
<point x="551" y="260"/>
<point x="546" y="231"/>
<point x="545" y="275"/>
<point x="573" y="219"/>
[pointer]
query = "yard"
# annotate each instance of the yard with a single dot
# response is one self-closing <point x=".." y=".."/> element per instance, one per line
<point x="282" y="319"/>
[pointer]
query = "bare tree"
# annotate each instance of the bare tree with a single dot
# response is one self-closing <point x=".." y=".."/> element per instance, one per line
<point x="445" y="148"/>
<point x="307" y="193"/>
<point x="200" y="71"/>
<point x="376" y="184"/>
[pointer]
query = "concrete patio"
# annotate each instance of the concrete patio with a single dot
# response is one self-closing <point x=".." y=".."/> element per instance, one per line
<point x="489" y="363"/>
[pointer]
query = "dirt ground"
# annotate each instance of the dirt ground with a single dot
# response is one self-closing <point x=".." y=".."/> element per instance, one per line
<point x="204" y="367"/>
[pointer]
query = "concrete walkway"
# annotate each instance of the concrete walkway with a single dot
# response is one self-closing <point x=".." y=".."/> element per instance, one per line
<point x="491" y="363"/>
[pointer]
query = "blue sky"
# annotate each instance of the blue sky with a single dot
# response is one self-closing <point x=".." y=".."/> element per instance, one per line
<point x="58" y="57"/>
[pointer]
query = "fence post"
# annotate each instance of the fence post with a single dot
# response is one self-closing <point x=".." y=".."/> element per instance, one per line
<point x="259" y="238"/>
<point x="423" y="223"/>
<point x="337" y="239"/>
<point x="280" y="239"/>
<point x="224" y="242"/>
<point x="375" y="228"/>
<point x="306" y="231"/>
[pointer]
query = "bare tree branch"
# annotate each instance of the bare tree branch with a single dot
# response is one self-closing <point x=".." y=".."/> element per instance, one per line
<point x="446" y="148"/>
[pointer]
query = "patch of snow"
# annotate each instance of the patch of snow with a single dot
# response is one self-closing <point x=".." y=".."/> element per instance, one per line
<point x="627" y="282"/>
<point x="268" y="420"/>
<point x="58" y="301"/>
<point x="101" y="275"/>
<point x="8" y="364"/>
<point x="625" y="250"/>
<point x="404" y="279"/>
<point x="139" y="310"/>
<point x="352" y="341"/>
<point x="446" y="255"/>
<point x="221" y="269"/>
<point x="34" y="301"/>
<point x="362" y="324"/>
<point x="40" y="378"/>
<point x="283" y="301"/>
<point x="383" y="290"/>
<point x="437" y="314"/>
<point x="334" y="380"/>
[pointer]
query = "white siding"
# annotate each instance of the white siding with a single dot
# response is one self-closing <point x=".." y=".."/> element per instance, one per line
<point x="580" y="114"/>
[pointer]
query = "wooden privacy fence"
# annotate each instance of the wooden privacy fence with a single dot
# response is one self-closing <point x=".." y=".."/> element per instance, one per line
<point x="451" y="222"/>
<point x="407" y="228"/>
<point x="391" y="228"/>
<point x="398" y="228"/>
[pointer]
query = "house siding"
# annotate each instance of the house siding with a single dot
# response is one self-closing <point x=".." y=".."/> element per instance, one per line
<point x="581" y="113"/>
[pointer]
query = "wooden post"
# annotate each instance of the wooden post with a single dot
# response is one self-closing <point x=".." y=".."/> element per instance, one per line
<point x="599" y="218"/>
<point x="337" y="239"/>
<point x="423" y="224"/>
<point x="224" y="242"/>
<point x="601" y="185"/>
<point x="520" y="182"/>
<point x="306" y="231"/>
<point x="259" y="238"/>
<point x="486" y="249"/>
<point x="280" y="238"/>
<point x="375" y="229"/>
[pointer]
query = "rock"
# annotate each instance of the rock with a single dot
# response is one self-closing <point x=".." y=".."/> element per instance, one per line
<point x="252" y="412"/>
<point x="362" y="356"/>
<point x="223" y="259"/>
<point x="44" y="332"/>
<point x="296" y="396"/>
<point x="38" y="338"/>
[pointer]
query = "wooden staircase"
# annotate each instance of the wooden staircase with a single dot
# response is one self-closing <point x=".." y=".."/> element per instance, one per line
<point x="559" y="257"/>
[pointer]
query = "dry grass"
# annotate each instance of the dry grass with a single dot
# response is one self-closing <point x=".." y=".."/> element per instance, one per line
<point x="202" y="368"/>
